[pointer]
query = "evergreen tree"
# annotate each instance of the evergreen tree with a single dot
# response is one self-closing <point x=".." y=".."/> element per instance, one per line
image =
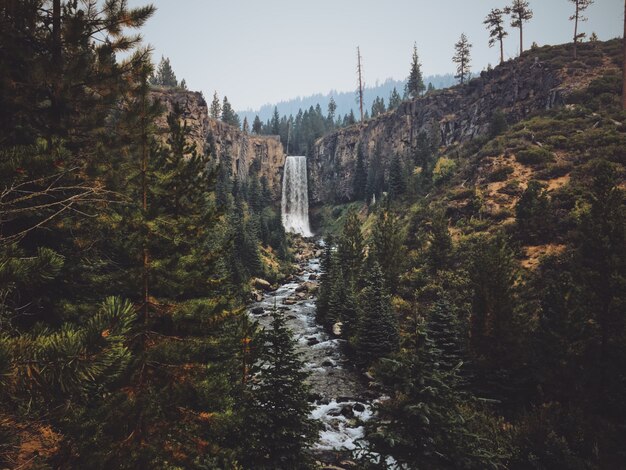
<point x="216" y="108"/>
<point x="325" y="281"/>
<point x="397" y="178"/>
<point x="431" y="87"/>
<point x="394" y="99"/>
<point x="257" y="125"/>
<point x="275" y="122"/>
<point x="378" y="106"/>
<point x="377" y="334"/>
<point x="165" y="75"/>
<point x="440" y="247"/>
<point x="415" y="82"/>
<point x="532" y="213"/>
<point x="359" y="182"/>
<point x="520" y="13"/>
<point x="245" y="127"/>
<point x="386" y="247"/>
<point x="351" y="247"/>
<point x="462" y="58"/>
<point x="495" y="25"/>
<point x="278" y="429"/>
<point x="332" y="109"/>
<point x="229" y="116"/>
<point x="580" y="7"/>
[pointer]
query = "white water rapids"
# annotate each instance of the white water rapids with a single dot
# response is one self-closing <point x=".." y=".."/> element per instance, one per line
<point x="295" y="197"/>
<point x="340" y="398"/>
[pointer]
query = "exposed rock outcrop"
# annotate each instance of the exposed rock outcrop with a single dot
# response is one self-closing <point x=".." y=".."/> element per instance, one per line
<point x="517" y="88"/>
<point x="221" y="139"/>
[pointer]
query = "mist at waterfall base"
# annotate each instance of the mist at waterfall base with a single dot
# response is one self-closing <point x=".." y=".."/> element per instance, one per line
<point x="295" y="198"/>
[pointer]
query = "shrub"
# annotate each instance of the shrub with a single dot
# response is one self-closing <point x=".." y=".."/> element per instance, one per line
<point x="534" y="156"/>
<point x="444" y="168"/>
<point x="500" y="174"/>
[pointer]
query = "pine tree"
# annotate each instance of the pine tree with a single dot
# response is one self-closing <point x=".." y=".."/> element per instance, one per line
<point x="462" y="58"/>
<point x="495" y="25"/>
<point x="415" y="82"/>
<point x="580" y="7"/>
<point x="332" y="109"/>
<point x="216" y="107"/>
<point x="532" y="214"/>
<point x="229" y="116"/>
<point x="378" y="106"/>
<point x="377" y="334"/>
<point x="394" y="99"/>
<point x="276" y="413"/>
<point x="275" y="122"/>
<point x="325" y="281"/>
<point x="165" y="75"/>
<point x="440" y="248"/>
<point x="386" y="247"/>
<point x="520" y="14"/>
<point x="245" y="127"/>
<point x="431" y="87"/>
<point x="359" y="182"/>
<point x="397" y="178"/>
<point x="257" y="125"/>
<point x="351" y="247"/>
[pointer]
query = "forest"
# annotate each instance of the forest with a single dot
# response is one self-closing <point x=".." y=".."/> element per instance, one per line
<point x="473" y="289"/>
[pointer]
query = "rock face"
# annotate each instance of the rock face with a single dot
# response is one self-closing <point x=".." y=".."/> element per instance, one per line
<point x="211" y="136"/>
<point x="457" y="114"/>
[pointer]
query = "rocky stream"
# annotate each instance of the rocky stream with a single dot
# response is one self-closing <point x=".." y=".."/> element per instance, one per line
<point x="339" y="393"/>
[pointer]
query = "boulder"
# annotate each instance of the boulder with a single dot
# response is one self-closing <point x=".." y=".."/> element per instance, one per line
<point x="261" y="284"/>
<point x="258" y="310"/>
<point x="312" y="341"/>
<point x="312" y="277"/>
<point x="360" y="407"/>
<point x="290" y="301"/>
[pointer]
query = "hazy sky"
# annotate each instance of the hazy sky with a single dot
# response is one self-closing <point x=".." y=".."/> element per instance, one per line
<point x="264" y="51"/>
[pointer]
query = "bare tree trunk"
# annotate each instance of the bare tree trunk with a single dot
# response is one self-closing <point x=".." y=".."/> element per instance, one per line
<point x="57" y="67"/>
<point x="624" y="62"/>
<point x="358" y="50"/>
<point x="575" y="29"/>
<point x="501" y="51"/>
<point x="144" y="205"/>
<point x="521" y="38"/>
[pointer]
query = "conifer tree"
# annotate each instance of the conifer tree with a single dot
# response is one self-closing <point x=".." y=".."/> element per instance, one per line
<point x="440" y="248"/>
<point x="278" y="430"/>
<point x="397" y="178"/>
<point x="275" y="122"/>
<point x="495" y="25"/>
<point x="532" y="213"/>
<point x="245" y="127"/>
<point x="359" y="182"/>
<point x="377" y="334"/>
<point x="216" y="108"/>
<point x="332" y="109"/>
<point x="394" y="99"/>
<point x="386" y="247"/>
<point x="351" y="247"/>
<point x="520" y="13"/>
<point x="431" y="87"/>
<point x="415" y="82"/>
<point x="165" y="75"/>
<point x="257" y="125"/>
<point x="462" y="58"/>
<point x="580" y="7"/>
<point x="378" y="106"/>
<point x="229" y="116"/>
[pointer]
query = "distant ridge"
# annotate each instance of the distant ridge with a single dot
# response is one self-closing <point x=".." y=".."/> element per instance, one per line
<point x="345" y="99"/>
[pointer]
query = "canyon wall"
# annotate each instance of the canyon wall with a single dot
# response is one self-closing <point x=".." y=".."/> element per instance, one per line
<point x="517" y="88"/>
<point x="214" y="137"/>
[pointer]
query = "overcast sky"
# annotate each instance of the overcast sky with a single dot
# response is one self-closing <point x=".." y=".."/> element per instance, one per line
<point x="264" y="51"/>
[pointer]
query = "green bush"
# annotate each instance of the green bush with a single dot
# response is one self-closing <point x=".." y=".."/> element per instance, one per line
<point x="534" y="156"/>
<point x="500" y="174"/>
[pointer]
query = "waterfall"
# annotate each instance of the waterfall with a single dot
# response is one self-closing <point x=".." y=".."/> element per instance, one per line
<point x="295" y="201"/>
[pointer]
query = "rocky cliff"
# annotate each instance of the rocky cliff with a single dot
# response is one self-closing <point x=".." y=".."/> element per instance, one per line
<point x="540" y="79"/>
<point x="220" y="139"/>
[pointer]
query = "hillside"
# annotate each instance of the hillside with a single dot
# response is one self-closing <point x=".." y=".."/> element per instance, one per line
<point x="539" y="80"/>
<point x="495" y="214"/>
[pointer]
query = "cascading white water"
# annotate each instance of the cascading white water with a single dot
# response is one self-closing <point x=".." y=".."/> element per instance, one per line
<point x="295" y="201"/>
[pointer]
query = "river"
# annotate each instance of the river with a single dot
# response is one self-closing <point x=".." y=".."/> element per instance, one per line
<point x="341" y="399"/>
